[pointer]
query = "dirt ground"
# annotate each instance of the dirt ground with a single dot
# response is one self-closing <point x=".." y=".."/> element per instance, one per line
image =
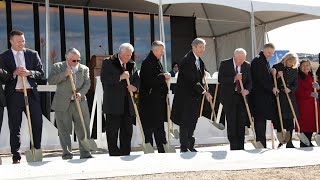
<point x="295" y="173"/>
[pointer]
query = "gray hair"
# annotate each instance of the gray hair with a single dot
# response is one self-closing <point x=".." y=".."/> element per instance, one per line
<point x="72" y="51"/>
<point x="126" y="47"/>
<point x="240" y="51"/>
<point x="157" y="44"/>
<point x="198" y="41"/>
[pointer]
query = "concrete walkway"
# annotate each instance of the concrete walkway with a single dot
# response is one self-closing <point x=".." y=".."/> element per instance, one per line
<point x="208" y="158"/>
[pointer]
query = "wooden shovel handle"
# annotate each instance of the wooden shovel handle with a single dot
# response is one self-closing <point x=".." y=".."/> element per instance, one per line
<point x="290" y="104"/>
<point x="27" y="111"/>
<point x="316" y="104"/>
<point x="73" y="87"/>
<point x="278" y="104"/>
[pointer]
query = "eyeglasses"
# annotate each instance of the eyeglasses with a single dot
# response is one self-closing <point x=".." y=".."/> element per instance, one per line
<point x="76" y="60"/>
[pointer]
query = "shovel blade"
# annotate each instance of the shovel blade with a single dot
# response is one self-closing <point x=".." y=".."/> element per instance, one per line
<point x="89" y="144"/>
<point x="219" y="126"/>
<point x="169" y="148"/>
<point x="303" y="138"/>
<point x="317" y="139"/>
<point x="174" y="133"/>
<point x="282" y="137"/>
<point x="147" y="148"/>
<point x="34" y="155"/>
<point x="257" y="145"/>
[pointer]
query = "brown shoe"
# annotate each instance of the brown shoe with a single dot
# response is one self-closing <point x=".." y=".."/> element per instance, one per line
<point x="16" y="162"/>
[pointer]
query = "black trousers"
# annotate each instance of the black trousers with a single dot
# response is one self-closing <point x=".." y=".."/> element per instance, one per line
<point x="236" y="121"/>
<point x="122" y="125"/>
<point x="159" y="136"/>
<point x="260" y="128"/>
<point x="16" y="106"/>
<point x="186" y="137"/>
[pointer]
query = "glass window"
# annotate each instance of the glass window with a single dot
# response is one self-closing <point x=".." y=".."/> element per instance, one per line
<point x="98" y="27"/>
<point x="142" y="37"/>
<point x="74" y="29"/>
<point x="22" y="19"/>
<point x="55" y="45"/>
<point x="167" y="33"/>
<point x="120" y="29"/>
<point x="3" y="27"/>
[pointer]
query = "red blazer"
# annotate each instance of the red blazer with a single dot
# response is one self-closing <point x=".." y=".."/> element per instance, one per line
<point x="306" y="118"/>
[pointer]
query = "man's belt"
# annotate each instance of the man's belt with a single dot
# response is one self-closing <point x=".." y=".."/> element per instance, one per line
<point x="21" y="90"/>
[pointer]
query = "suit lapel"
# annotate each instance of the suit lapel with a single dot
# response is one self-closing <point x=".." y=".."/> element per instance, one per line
<point x="27" y="59"/>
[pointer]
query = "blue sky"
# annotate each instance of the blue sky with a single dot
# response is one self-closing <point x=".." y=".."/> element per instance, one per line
<point x="301" y="37"/>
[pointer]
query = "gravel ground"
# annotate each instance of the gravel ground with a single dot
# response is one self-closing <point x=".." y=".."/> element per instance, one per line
<point x="295" y="173"/>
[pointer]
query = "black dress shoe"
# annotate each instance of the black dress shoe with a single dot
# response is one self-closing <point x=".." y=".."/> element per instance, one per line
<point x="183" y="150"/>
<point x="86" y="157"/>
<point x="16" y="161"/>
<point x="67" y="156"/>
<point x="290" y="145"/>
<point x="193" y="150"/>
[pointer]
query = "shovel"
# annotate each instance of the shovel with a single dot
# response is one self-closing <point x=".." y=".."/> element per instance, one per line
<point x="32" y="155"/>
<point x="168" y="148"/>
<point x="173" y="132"/>
<point x="222" y="127"/>
<point x="301" y="136"/>
<point x="147" y="148"/>
<point x="87" y="144"/>
<point x="283" y="136"/>
<point x="212" y="104"/>
<point x="256" y="144"/>
<point x="317" y="136"/>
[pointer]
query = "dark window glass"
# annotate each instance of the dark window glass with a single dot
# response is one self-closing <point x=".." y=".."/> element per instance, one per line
<point x="74" y="29"/>
<point x="3" y="27"/>
<point x="120" y="29"/>
<point x="141" y="37"/>
<point x="98" y="26"/>
<point x="22" y="19"/>
<point x="167" y="33"/>
<point x="55" y="46"/>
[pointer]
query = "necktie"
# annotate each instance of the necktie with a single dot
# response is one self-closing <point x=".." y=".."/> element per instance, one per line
<point x="198" y="64"/>
<point x="238" y="88"/>
<point x="19" y="63"/>
<point x="126" y="92"/>
<point x="124" y="67"/>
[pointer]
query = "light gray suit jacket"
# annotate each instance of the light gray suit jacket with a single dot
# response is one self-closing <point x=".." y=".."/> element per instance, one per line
<point x="62" y="97"/>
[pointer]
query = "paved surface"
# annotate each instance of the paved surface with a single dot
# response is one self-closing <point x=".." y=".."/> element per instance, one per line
<point x="208" y="158"/>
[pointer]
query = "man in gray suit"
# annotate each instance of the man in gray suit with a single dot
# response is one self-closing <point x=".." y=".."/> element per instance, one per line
<point x="64" y="103"/>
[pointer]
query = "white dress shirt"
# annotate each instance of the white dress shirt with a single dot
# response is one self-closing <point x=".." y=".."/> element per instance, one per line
<point x="23" y="64"/>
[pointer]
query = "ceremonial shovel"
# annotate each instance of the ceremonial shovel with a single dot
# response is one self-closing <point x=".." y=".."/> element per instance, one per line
<point x="147" y="148"/>
<point x="213" y="113"/>
<point x="256" y="144"/>
<point x="283" y="136"/>
<point x="317" y="136"/>
<point x="301" y="136"/>
<point x="168" y="148"/>
<point x="88" y="144"/>
<point x="32" y="155"/>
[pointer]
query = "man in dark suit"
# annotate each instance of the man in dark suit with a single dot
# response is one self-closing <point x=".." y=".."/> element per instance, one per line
<point x="188" y="95"/>
<point x="4" y="76"/>
<point x="22" y="62"/>
<point x="152" y="96"/>
<point x="230" y="72"/>
<point x="261" y="96"/>
<point x="117" y="104"/>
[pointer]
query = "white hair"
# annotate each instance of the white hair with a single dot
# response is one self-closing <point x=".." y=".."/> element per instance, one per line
<point x="240" y="51"/>
<point x="197" y="41"/>
<point x="126" y="47"/>
<point x="72" y="51"/>
<point x="157" y="44"/>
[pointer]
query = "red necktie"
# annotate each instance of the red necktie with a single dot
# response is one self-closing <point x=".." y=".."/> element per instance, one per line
<point x="124" y="67"/>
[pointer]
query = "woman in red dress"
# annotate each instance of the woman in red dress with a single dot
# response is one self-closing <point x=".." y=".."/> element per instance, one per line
<point x="305" y="100"/>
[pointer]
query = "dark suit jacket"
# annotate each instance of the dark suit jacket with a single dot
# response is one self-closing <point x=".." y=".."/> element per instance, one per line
<point x="227" y="84"/>
<point x="114" y="89"/>
<point x="33" y="64"/>
<point x="4" y="76"/>
<point x="262" y="85"/>
<point x="152" y="93"/>
<point x="188" y="93"/>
